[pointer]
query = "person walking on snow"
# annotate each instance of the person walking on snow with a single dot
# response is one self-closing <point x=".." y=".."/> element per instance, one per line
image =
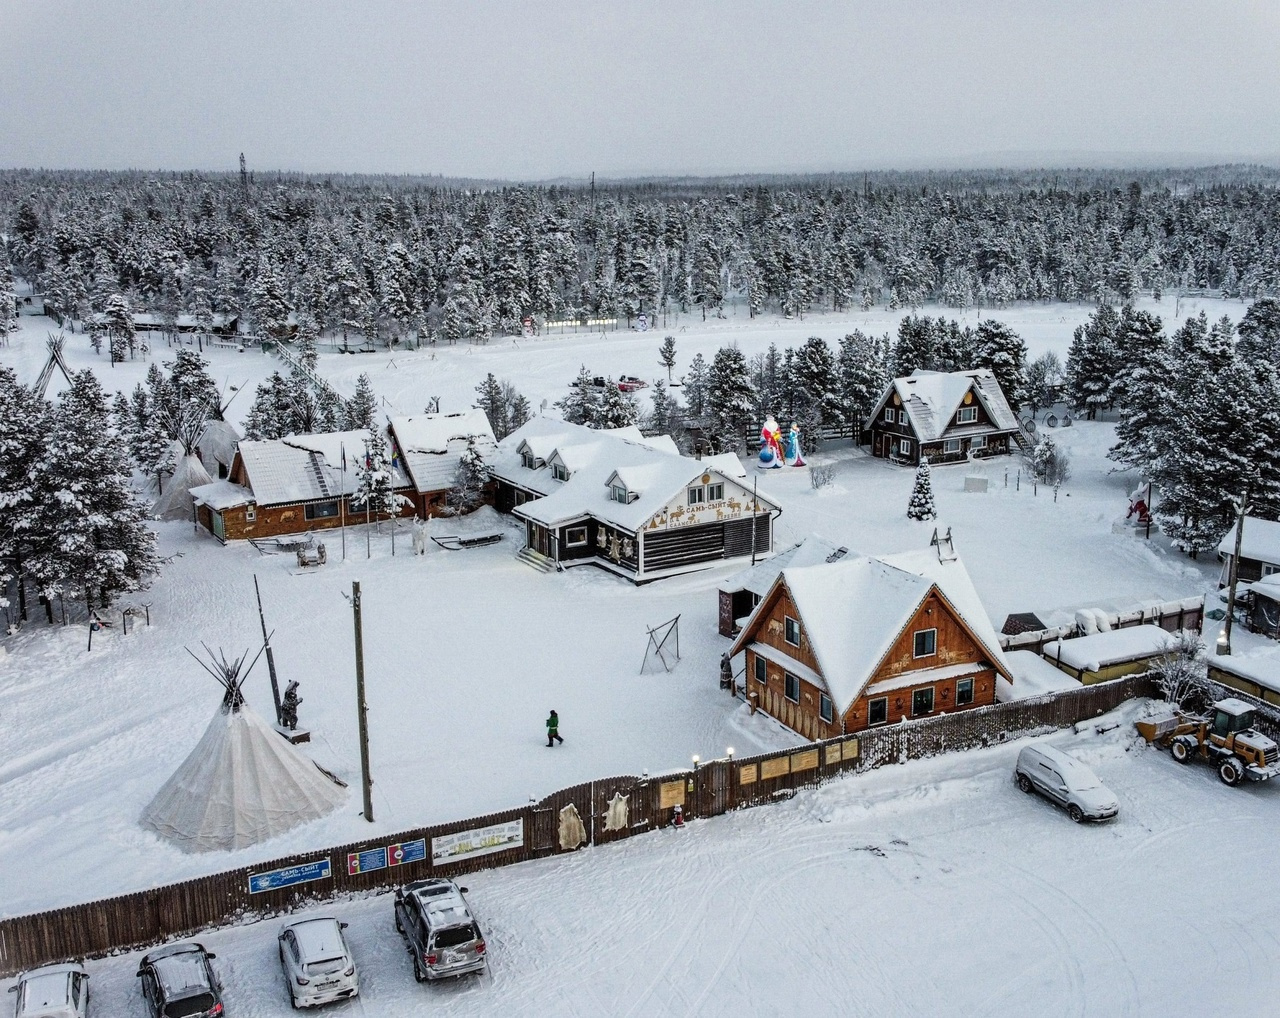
<point x="553" y="729"/>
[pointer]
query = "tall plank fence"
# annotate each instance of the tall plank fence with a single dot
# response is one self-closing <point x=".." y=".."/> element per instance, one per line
<point x="610" y="810"/>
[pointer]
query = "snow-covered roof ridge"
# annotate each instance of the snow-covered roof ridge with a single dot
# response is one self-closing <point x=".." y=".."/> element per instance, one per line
<point x="1261" y="540"/>
<point x="304" y="468"/>
<point x="931" y="399"/>
<point x="650" y="467"/>
<point x="434" y="443"/>
<point x="811" y="551"/>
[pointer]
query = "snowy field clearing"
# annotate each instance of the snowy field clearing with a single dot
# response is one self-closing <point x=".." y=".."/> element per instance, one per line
<point x="932" y="888"/>
<point x="467" y="651"/>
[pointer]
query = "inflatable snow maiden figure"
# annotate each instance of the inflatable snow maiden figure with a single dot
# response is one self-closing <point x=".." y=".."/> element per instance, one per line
<point x="793" y="457"/>
<point x="770" y="445"/>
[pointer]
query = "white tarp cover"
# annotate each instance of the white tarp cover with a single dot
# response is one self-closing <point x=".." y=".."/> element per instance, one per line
<point x="176" y="501"/>
<point x="241" y="785"/>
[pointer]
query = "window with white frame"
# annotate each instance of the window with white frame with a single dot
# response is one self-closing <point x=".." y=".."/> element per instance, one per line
<point x="618" y="493"/>
<point x="791" y="631"/>
<point x="951" y="445"/>
<point x="903" y="418"/>
<point x="715" y="492"/>
<point x="575" y="537"/>
<point x="793" y="687"/>
<point x="559" y="471"/>
<point x="890" y="415"/>
<point x="925" y="643"/>
<point x="250" y="513"/>
<point x="697" y="495"/>
<point x="878" y="711"/>
<point x="526" y="460"/>
<point x="964" y="692"/>
<point x="521" y="497"/>
<point x="922" y="701"/>
<point x="904" y="446"/>
<point x="978" y="442"/>
<point x="967" y="415"/>
<point x="826" y="710"/>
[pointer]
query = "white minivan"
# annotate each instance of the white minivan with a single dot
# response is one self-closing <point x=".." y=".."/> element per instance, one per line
<point x="1063" y="779"/>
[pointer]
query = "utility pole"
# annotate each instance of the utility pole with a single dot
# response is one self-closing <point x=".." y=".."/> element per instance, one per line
<point x="755" y="510"/>
<point x="271" y="658"/>
<point x="1223" y="648"/>
<point x="362" y="707"/>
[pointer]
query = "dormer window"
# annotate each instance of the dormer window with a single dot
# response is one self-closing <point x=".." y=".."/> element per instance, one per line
<point x="967" y="415"/>
<point x="526" y="460"/>
<point x="618" y="493"/>
<point x="559" y="471"/>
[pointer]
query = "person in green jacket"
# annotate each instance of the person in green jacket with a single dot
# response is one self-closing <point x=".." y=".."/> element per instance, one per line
<point x="553" y="729"/>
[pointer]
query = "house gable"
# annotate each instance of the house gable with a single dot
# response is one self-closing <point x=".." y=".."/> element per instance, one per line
<point x="735" y="502"/>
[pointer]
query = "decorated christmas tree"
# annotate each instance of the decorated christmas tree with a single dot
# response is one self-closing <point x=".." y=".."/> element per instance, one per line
<point x="921" y="506"/>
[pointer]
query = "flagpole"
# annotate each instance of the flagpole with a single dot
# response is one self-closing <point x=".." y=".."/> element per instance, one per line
<point x="342" y="501"/>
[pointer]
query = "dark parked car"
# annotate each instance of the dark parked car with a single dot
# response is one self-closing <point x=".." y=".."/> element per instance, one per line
<point x="441" y="932"/>
<point x="178" y="982"/>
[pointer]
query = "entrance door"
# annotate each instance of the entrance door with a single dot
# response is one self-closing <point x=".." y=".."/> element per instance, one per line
<point x="219" y="530"/>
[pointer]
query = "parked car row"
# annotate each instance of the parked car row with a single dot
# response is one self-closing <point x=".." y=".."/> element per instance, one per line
<point x="179" y="981"/>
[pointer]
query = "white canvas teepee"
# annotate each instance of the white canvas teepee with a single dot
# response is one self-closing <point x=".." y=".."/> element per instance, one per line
<point x="176" y="502"/>
<point x="242" y="784"/>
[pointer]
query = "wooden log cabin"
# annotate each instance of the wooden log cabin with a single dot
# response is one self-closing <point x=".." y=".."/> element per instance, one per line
<point x="865" y="642"/>
<point x="627" y="503"/>
<point x="291" y="486"/>
<point x="946" y="417"/>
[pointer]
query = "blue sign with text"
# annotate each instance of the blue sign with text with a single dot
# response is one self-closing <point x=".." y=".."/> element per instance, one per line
<point x="409" y="851"/>
<point x="275" y="879"/>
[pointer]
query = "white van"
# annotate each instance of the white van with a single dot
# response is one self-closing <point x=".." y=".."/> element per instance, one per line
<point x="1063" y="779"/>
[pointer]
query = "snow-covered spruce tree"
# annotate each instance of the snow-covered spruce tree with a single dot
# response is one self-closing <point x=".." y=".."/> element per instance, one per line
<point x="489" y="398"/>
<point x="920" y="506"/>
<point x="1092" y="361"/>
<point x="729" y="398"/>
<point x="93" y="537"/>
<point x="8" y="307"/>
<point x="362" y="407"/>
<point x="582" y="404"/>
<point x="518" y="409"/>
<point x="998" y="347"/>
<point x="861" y="378"/>
<point x="469" y="480"/>
<point x="191" y="382"/>
<point x="616" y="409"/>
<point x="1146" y="399"/>
<point x="815" y="387"/>
<point x="914" y="346"/>
<point x="1044" y="374"/>
<point x="308" y="333"/>
<point x="119" y="325"/>
<point x="695" y="387"/>
<point x="375" y="494"/>
<point x="24" y="425"/>
<point x="269" y="301"/>
<point x="658" y="421"/>
<point x="667" y="354"/>
<point x="1259" y="332"/>
<point x="269" y="416"/>
<point x="1048" y="463"/>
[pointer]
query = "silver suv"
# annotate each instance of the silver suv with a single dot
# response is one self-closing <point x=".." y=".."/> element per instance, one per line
<point x="438" y="926"/>
<point x="55" y="991"/>
<point x="317" y="963"/>
<point x="1063" y="779"/>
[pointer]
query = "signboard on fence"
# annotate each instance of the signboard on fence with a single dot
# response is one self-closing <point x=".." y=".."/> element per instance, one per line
<point x="407" y="852"/>
<point x="481" y="841"/>
<point x="367" y="861"/>
<point x="671" y="794"/>
<point x="290" y="875"/>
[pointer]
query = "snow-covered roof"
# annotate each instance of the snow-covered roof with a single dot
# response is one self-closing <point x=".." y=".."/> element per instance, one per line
<point x="1117" y="646"/>
<point x="931" y="399"/>
<point x="651" y="468"/>
<point x="812" y="551"/>
<point x="221" y="495"/>
<point x="433" y="443"/>
<point x="853" y="611"/>
<point x="1032" y="676"/>
<point x="1268" y="587"/>
<point x="1264" y="668"/>
<point x="304" y="468"/>
<point x="215" y="321"/>
<point x="914" y="678"/>
<point x="1261" y="541"/>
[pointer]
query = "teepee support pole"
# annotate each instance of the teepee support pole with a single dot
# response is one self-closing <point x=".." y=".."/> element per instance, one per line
<point x="271" y="659"/>
<point x="362" y="708"/>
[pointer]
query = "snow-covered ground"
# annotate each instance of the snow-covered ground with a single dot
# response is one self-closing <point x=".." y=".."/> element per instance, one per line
<point x="932" y="888"/>
<point x="467" y="651"/>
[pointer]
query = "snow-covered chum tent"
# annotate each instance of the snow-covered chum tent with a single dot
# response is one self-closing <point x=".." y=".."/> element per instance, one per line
<point x="176" y="501"/>
<point x="1109" y="655"/>
<point x="863" y="642"/>
<point x="217" y="448"/>
<point x="628" y="503"/>
<point x="944" y="416"/>
<point x="429" y="446"/>
<point x="242" y="784"/>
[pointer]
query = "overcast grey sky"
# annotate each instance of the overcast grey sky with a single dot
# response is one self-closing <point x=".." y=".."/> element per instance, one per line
<point x="534" y="90"/>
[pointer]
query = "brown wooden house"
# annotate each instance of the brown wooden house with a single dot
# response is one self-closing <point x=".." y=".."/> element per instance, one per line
<point x="946" y="417"/>
<point x="865" y="642"/>
<point x="290" y="486"/>
<point x="428" y="448"/>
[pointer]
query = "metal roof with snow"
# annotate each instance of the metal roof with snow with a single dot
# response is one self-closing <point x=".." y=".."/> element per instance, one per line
<point x="432" y="445"/>
<point x="307" y="468"/>
<point x="931" y="399"/>
<point x="1261" y="541"/>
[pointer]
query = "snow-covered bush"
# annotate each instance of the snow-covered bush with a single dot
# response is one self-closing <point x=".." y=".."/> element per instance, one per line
<point x="1048" y="462"/>
<point x="1182" y="672"/>
<point x="821" y="477"/>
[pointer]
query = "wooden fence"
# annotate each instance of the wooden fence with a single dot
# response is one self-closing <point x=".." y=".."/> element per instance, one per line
<point x="610" y="810"/>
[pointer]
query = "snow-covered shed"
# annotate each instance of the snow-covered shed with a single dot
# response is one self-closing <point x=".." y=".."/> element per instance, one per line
<point x="429" y="446"/>
<point x="1032" y="676"/>
<point x="740" y="593"/>
<point x="626" y="502"/>
<point x="290" y="486"/>
<point x="1109" y="655"/>
<point x="1261" y="600"/>
<point x="1259" y="551"/>
<point x="945" y="416"/>
<point x="1258" y="674"/>
<point x="863" y="642"/>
